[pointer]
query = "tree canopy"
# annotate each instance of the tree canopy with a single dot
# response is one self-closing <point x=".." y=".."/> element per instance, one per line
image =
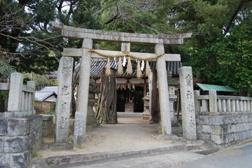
<point x="219" y="51"/>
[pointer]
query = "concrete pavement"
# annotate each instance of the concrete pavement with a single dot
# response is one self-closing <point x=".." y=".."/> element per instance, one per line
<point x="132" y="139"/>
<point x="175" y="159"/>
<point x="130" y="145"/>
<point x="234" y="157"/>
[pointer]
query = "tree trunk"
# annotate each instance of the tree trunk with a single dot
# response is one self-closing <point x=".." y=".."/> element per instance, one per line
<point x="106" y="112"/>
<point x="155" y="112"/>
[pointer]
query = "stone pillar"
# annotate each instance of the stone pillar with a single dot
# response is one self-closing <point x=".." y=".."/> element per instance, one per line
<point x="31" y="84"/>
<point x="82" y="106"/>
<point x="196" y="101"/>
<point x="125" y="46"/>
<point x="187" y="103"/>
<point x="173" y="98"/>
<point x="212" y="101"/>
<point x="15" y="92"/>
<point x="150" y="84"/>
<point x="163" y="91"/>
<point x="63" y="105"/>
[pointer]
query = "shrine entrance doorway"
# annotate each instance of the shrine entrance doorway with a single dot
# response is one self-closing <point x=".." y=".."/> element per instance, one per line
<point x="130" y="100"/>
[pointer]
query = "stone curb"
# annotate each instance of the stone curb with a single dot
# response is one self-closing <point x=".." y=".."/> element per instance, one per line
<point x="84" y="159"/>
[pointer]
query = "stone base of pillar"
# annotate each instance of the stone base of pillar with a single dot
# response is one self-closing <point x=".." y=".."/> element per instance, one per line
<point x="79" y="129"/>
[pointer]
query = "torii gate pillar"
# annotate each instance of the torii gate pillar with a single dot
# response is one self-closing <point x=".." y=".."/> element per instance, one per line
<point x="163" y="91"/>
<point x="82" y="106"/>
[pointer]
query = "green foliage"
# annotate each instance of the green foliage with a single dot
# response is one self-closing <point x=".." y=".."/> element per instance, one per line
<point x="87" y="14"/>
<point x="43" y="11"/>
<point x="219" y="51"/>
<point x="234" y="55"/>
<point x="217" y="55"/>
<point x="40" y="80"/>
<point x="5" y="68"/>
<point x="133" y="16"/>
<point x="25" y="36"/>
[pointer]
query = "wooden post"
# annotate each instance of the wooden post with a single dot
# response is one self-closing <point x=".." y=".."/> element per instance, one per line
<point x="163" y="91"/>
<point x="187" y="103"/>
<point x="154" y="108"/>
<point x="106" y="107"/>
<point x="15" y="92"/>
<point x="82" y="106"/>
<point x="63" y="105"/>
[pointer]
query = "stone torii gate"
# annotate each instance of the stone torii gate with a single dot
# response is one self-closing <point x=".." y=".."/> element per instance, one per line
<point x="66" y="68"/>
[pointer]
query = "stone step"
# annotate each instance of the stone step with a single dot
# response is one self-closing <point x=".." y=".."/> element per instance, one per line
<point x="129" y="114"/>
<point x="90" y="158"/>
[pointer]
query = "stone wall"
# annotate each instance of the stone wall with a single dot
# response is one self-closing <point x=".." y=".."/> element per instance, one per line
<point x="224" y="129"/>
<point x="18" y="137"/>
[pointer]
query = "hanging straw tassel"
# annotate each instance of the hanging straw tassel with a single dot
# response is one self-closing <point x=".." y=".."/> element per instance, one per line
<point x="133" y="87"/>
<point x="129" y="86"/>
<point x="108" y="70"/>
<point x="139" y="72"/>
<point x="142" y="65"/>
<point x="129" y="69"/>
<point x="147" y="69"/>
<point x="124" y="61"/>
<point x="120" y="67"/>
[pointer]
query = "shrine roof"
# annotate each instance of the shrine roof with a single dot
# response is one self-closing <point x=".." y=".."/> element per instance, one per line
<point x="97" y="66"/>
<point x="45" y="93"/>
<point x="218" y="88"/>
